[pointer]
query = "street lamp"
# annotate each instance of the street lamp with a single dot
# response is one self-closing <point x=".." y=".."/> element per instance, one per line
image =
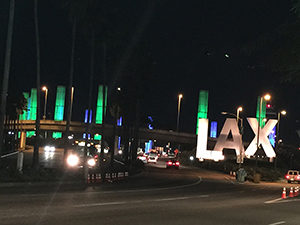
<point x="283" y="112"/>
<point x="180" y="96"/>
<point x="237" y="116"/>
<point x="45" y="89"/>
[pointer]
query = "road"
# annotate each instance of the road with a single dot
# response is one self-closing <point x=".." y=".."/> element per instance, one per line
<point x="157" y="196"/>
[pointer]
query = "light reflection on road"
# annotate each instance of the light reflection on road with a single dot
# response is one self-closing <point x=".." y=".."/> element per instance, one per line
<point x="47" y="159"/>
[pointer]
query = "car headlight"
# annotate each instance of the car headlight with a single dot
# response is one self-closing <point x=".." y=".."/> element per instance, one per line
<point x="91" y="162"/>
<point x="73" y="160"/>
<point x="48" y="148"/>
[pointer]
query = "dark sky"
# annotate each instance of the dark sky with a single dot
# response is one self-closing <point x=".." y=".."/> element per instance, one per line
<point x="186" y="42"/>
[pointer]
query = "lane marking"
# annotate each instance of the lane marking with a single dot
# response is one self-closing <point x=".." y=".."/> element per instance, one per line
<point x="277" y="201"/>
<point x="99" y="204"/>
<point x="140" y="201"/>
<point x="153" y="189"/>
<point x="123" y="191"/>
<point x="179" y="198"/>
<point x="280" y="222"/>
<point x="170" y="199"/>
<point x="273" y="201"/>
<point x="229" y="180"/>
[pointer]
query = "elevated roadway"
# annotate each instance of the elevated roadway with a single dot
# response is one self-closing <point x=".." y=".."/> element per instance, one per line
<point x="79" y="127"/>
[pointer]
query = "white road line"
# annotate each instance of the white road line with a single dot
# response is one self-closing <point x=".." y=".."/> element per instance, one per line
<point x="154" y="189"/>
<point x="125" y="191"/>
<point x="140" y="201"/>
<point x="280" y="222"/>
<point x="277" y="201"/>
<point x="171" y="199"/>
<point x="99" y="204"/>
<point x="273" y="201"/>
<point x="228" y="179"/>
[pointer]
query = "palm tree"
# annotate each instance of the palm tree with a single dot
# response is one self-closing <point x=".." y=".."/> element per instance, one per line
<point x="69" y="92"/>
<point x="6" y="70"/>
<point x="35" y="162"/>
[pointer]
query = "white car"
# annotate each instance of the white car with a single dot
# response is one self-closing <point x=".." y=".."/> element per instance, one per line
<point x="143" y="158"/>
<point x="152" y="158"/>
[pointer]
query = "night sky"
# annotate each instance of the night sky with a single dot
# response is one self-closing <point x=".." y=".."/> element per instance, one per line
<point x="179" y="46"/>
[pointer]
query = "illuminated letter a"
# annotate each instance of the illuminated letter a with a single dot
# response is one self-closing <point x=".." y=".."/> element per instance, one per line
<point x="236" y="142"/>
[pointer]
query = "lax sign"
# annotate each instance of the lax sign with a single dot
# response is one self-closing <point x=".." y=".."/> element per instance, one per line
<point x="236" y="143"/>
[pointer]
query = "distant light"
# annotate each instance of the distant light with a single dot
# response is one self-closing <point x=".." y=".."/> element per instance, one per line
<point x="240" y="109"/>
<point x="91" y="162"/>
<point x="226" y="55"/>
<point x="283" y="112"/>
<point x="180" y="96"/>
<point x="120" y="152"/>
<point x="106" y="150"/>
<point x="119" y="89"/>
<point x="82" y="143"/>
<point x="48" y="148"/>
<point x="44" y="88"/>
<point x="72" y="160"/>
<point x="192" y="158"/>
<point x="70" y="137"/>
<point x="268" y="106"/>
<point x="267" y="97"/>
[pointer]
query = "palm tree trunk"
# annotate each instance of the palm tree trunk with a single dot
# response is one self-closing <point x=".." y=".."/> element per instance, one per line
<point x="90" y="100"/>
<point x="35" y="162"/>
<point x="6" y="71"/>
<point x="69" y="93"/>
<point x="104" y="106"/>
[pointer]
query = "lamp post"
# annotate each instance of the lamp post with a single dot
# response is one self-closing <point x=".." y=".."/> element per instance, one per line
<point x="237" y="116"/>
<point x="283" y="112"/>
<point x="238" y="110"/>
<point x="180" y="96"/>
<point x="45" y="89"/>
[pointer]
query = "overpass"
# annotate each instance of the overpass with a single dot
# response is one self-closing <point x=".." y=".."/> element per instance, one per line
<point x="80" y="128"/>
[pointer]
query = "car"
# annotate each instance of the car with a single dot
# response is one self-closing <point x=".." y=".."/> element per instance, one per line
<point x="171" y="155"/>
<point x="75" y="157"/>
<point x="152" y="158"/>
<point x="143" y="158"/>
<point x="292" y="176"/>
<point x="172" y="163"/>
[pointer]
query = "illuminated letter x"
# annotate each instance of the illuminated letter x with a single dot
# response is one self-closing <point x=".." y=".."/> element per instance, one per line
<point x="263" y="138"/>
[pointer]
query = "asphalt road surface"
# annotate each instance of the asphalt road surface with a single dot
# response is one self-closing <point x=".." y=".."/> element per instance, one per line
<point x="157" y="196"/>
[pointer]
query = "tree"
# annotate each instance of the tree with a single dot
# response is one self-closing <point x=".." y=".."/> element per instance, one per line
<point x="35" y="162"/>
<point x="6" y="70"/>
<point x="16" y="105"/>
